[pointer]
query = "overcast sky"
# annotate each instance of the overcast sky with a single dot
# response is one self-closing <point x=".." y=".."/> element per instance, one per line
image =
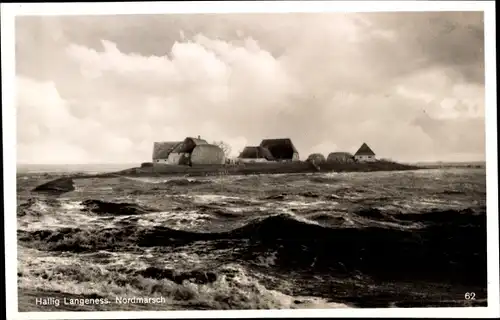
<point x="101" y="89"/>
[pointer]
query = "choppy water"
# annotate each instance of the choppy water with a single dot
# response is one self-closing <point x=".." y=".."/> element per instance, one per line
<point x="380" y="239"/>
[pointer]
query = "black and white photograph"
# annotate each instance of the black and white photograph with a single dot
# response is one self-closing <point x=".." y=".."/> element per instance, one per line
<point x="328" y="159"/>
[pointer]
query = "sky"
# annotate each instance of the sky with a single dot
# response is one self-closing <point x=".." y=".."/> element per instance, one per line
<point x="102" y="89"/>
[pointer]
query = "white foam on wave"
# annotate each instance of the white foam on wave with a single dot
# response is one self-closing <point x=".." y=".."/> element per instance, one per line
<point x="161" y="180"/>
<point x="247" y="288"/>
<point x="416" y="205"/>
<point x="330" y="174"/>
<point x="145" y="179"/>
<point x="66" y="215"/>
<point x="185" y="219"/>
<point x="268" y="259"/>
<point x="307" y="204"/>
<point x="284" y="211"/>
<point x="234" y="288"/>
<point x="240" y="209"/>
<point x="299" y="205"/>
<point x="209" y="198"/>
<point x="72" y="205"/>
<point x="40" y="206"/>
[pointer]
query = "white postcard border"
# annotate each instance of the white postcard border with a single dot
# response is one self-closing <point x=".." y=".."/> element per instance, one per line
<point x="8" y="13"/>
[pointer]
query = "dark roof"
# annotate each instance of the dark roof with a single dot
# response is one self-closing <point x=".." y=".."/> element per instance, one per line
<point x="280" y="148"/>
<point x="197" y="141"/>
<point x="256" y="153"/>
<point x="364" y="150"/>
<point x="188" y="145"/>
<point x="161" y="150"/>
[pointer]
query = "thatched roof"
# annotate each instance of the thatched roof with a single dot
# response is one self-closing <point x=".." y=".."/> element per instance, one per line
<point x="256" y="153"/>
<point x="364" y="150"/>
<point x="316" y="157"/>
<point x="197" y="141"/>
<point x="340" y="153"/>
<point x="204" y="154"/>
<point x="188" y="145"/>
<point x="280" y="148"/>
<point x="342" y="157"/>
<point x="161" y="150"/>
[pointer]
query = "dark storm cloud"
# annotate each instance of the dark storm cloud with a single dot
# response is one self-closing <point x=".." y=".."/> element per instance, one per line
<point x="453" y="39"/>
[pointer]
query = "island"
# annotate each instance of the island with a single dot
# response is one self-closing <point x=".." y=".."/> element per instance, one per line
<point x="195" y="157"/>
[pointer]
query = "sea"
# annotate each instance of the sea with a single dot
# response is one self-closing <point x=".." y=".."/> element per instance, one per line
<point x="284" y="241"/>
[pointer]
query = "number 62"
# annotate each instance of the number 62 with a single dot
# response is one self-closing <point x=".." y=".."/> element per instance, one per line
<point x="470" y="296"/>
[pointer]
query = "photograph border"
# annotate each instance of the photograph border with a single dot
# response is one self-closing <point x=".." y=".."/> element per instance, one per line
<point x="10" y="11"/>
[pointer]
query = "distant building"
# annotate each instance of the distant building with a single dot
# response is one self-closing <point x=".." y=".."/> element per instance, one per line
<point x="207" y="154"/>
<point x="191" y="151"/>
<point x="340" y="157"/>
<point x="281" y="149"/>
<point x="161" y="150"/>
<point x="316" y="158"/>
<point x="365" y="154"/>
<point x="255" y="154"/>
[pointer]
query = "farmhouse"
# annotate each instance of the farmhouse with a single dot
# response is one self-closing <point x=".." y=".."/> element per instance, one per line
<point x="281" y="149"/>
<point x="365" y="154"/>
<point x="161" y="150"/>
<point x="255" y="154"/>
<point x="191" y="151"/>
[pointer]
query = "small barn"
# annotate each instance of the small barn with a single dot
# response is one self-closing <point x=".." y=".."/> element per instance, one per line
<point x="207" y="154"/>
<point x="340" y="157"/>
<point x="316" y="158"/>
<point x="365" y="154"/>
<point x="281" y="149"/>
<point x="255" y="154"/>
<point x="161" y="150"/>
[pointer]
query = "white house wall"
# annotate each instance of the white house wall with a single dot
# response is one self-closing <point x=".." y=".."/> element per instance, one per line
<point x="175" y="158"/>
<point x="164" y="161"/>
<point x="365" y="158"/>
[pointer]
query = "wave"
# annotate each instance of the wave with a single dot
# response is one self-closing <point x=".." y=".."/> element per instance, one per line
<point x="35" y="207"/>
<point x="465" y="216"/>
<point x="114" y="208"/>
<point x="452" y="246"/>
<point x="194" y="276"/>
<point x="169" y="181"/>
<point x="285" y="196"/>
<point x="228" y="286"/>
<point x="325" y="180"/>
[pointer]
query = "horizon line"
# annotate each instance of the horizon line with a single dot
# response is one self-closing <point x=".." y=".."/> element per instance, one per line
<point x="135" y="162"/>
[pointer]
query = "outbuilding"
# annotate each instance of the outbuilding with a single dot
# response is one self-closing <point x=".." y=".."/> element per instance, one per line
<point x="340" y="157"/>
<point x="255" y="154"/>
<point x="365" y="154"/>
<point x="281" y="149"/>
<point x="162" y="150"/>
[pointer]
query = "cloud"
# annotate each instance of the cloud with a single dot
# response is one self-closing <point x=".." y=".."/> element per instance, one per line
<point x="328" y="81"/>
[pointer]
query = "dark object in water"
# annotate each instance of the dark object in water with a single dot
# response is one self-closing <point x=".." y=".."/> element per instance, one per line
<point x="117" y="209"/>
<point x="57" y="186"/>
<point x="309" y="194"/>
<point x="276" y="197"/>
<point x="146" y="165"/>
